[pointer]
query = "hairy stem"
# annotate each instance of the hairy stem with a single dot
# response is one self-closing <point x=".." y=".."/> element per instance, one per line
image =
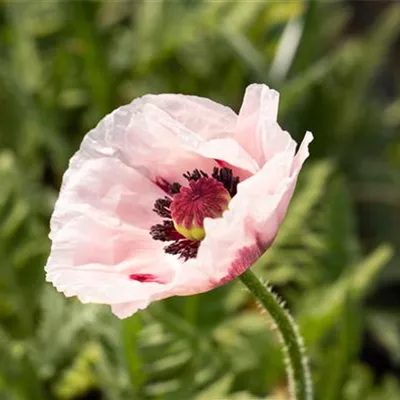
<point x="297" y="367"/>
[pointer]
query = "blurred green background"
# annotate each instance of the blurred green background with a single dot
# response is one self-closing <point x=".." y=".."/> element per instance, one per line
<point x="65" y="64"/>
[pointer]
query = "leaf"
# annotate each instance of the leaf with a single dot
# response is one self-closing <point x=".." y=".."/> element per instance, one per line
<point x="218" y="389"/>
<point x="322" y="307"/>
<point x="342" y="352"/>
<point x="130" y="331"/>
<point x="79" y="378"/>
<point x="385" y="327"/>
<point x="359" y="384"/>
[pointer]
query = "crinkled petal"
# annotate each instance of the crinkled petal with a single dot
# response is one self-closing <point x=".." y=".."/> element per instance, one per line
<point x="257" y="130"/>
<point x="96" y="262"/>
<point x="100" y="234"/>
<point x="106" y="188"/>
<point x="229" y="151"/>
<point x="125" y="310"/>
<point x="137" y="135"/>
<point x="206" y="118"/>
<point x="204" y="152"/>
<point x="163" y="135"/>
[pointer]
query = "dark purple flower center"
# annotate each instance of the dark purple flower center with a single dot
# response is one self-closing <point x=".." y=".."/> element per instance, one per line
<point x="186" y="207"/>
<point x="204" y="198"/>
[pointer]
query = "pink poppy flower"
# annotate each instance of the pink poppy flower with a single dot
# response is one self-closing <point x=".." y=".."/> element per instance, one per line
<point x="172" y="195"/>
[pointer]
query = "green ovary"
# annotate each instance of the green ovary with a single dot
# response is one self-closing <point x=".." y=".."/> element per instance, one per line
<point x="194" y="233"/>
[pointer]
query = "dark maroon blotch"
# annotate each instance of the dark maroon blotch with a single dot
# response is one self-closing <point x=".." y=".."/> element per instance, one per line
<point x="144" y="278"/>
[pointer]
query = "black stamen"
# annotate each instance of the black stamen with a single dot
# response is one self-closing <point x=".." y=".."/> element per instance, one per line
<point x="174" y="188"/>
<point x="165" y="232"/>
<point x="170" y="188"/>
<point x="225" y="176"/>
<point x="183" y="248"/>
<point x="161" y="207"/>
<point x="195" y="175"/>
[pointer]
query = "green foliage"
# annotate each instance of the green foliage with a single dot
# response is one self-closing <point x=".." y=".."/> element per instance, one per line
<point x="64" y="64"/>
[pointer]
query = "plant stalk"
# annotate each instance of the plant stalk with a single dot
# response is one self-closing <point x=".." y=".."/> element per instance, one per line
<point x="297" y="367"/>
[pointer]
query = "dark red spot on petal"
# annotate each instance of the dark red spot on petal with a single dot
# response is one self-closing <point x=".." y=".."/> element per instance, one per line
<point x="144" y="278"/>
<point x="221" y="163"/>
<point x="245" y="258"/>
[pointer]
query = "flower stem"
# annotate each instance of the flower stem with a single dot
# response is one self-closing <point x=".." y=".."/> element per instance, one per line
<point x="297" y="367"/>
